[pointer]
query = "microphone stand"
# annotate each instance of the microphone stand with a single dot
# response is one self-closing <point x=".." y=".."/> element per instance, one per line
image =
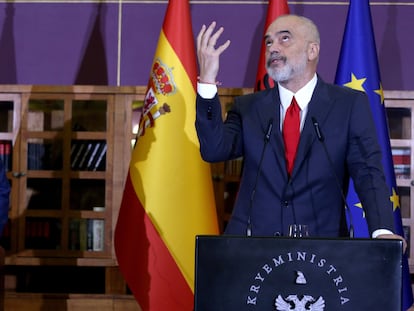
<point x="321" y="138"/>
<point x="259" y="169"/>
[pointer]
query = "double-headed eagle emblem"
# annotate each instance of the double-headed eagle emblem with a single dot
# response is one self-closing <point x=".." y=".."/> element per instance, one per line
<point x="293" y="303"/>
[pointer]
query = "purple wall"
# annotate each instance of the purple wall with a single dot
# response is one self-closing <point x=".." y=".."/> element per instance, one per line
<point x="77" y="43"/>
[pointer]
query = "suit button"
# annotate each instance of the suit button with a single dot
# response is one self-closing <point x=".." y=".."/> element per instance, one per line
<point x="209" y="113"/>
<point x="277" y="233"/>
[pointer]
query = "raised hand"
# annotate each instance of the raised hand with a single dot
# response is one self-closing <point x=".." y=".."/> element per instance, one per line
<point x="208" y="55"/>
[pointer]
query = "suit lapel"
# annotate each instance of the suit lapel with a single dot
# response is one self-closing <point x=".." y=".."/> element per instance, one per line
<point x="271" y="107"/>
<point x="319" y="107"/>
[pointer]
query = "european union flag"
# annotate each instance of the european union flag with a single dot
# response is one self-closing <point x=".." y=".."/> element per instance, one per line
<point x="358" y="69"/>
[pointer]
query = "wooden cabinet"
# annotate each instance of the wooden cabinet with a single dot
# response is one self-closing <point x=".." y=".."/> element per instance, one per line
<point x="67" y="151"/>
<point x="399" y="106"/>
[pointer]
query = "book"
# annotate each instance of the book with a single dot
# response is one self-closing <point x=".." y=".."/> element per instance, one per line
<point x="8" y="156"/>
<point x="83" y="234"/>
<point x="77" y="155"/>
<point x="74" y="237"/>
<point x="38" y="234"/>
<point x="93" y="154"/>
<point x="89" y="235"/>
<point x="100" y="161"/>
<point x="402" y="171"/>
<point x="98" y="235"/>
<point x="401" y="155"/>
<point x="73" y="149"/>
<point x="35" y="156"/>
<point x="5" y="154"/>
<point x="84" y="156"/>
<point x="402" y="159"/>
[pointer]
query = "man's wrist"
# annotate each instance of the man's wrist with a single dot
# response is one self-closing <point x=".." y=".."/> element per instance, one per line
<point x="206" y="90"/>
<point x="206" y="81"/>
<point x="378" y="232"/>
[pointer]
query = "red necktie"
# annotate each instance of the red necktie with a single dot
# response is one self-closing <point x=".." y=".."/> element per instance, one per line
<point x="291" y="133"/>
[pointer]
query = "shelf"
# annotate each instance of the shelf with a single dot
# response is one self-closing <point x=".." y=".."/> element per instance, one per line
<point x="399" y="107"/>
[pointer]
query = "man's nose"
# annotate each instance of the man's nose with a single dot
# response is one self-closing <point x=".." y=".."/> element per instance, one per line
<point x="274" y="47"/>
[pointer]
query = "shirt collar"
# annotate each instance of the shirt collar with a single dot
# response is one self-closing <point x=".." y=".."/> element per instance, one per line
<point x="303" y="96"/>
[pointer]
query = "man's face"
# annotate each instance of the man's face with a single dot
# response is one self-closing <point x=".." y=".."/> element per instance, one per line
<point x="286" y="49"/>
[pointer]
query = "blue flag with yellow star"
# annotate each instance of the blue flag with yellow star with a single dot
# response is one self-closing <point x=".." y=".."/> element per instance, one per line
<point x="358" y="68"/>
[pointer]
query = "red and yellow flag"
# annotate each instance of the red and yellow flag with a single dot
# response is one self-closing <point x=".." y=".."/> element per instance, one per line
<point x="168" y="197"/>
<point x="275" y="9"/>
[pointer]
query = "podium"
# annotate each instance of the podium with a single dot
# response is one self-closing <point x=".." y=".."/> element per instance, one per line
<point x="279" y="273"/>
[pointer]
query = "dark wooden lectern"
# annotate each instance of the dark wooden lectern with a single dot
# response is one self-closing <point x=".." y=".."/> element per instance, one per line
<point x="253" y="273"/>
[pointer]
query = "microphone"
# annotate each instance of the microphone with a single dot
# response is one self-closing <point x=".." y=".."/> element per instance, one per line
<point x="259" y="170"/>
<point x="321" y="138"/>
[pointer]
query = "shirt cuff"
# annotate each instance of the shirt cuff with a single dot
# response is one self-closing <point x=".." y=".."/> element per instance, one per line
<point x="206" y="90"/>
<point x="381" y="231"/>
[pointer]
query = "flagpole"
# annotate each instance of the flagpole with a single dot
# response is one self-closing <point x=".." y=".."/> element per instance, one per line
<point x="118" y="63"/>
<point x="275" y="8"/>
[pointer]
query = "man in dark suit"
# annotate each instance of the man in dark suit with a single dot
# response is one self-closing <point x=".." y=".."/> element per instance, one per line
<point x="277" y="189"/>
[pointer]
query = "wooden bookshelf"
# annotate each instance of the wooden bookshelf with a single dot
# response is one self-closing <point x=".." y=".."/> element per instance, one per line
<point x="61" y="215"/>
<point x="399" y="106"/>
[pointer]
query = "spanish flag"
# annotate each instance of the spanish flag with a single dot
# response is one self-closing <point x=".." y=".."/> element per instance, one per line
<point x="275" y="8"/>
<point x="168" y="197"/>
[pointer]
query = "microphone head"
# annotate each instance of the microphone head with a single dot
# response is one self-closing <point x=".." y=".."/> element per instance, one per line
<point x="317" y="129"/>
<point x="269" y="130"/>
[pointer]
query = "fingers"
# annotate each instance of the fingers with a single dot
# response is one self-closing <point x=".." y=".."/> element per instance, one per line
<point x="208" y="54"/>
<point x="206" y="39"/>
<point x="213" y="38"/>
<point x="223" y="47"/>
<point x="204" y="36"/>
<point x="200" y="36"/>
<point x="394" y="236"/>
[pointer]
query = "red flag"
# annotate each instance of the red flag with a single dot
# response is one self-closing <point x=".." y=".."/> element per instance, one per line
<point x="275" y="9"/>
<point x="168" y="197"/>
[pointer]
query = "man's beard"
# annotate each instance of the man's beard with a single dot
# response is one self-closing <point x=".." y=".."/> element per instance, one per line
<point x="287" y="71"/>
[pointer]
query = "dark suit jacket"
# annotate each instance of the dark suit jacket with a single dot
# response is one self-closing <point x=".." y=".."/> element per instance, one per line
<point x="311" y="196"/>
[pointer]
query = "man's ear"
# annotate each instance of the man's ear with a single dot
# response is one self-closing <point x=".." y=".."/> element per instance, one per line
<point x="313" y="51"/>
